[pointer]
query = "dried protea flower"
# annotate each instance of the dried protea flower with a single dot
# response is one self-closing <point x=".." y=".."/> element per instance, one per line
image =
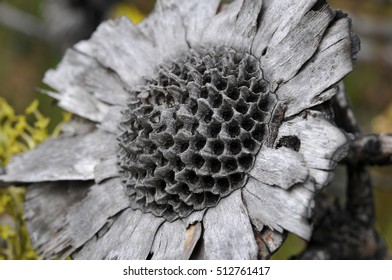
<point x="204" y="127"/>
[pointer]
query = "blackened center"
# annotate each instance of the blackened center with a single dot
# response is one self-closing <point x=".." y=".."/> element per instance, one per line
<point x="193" y="135"/>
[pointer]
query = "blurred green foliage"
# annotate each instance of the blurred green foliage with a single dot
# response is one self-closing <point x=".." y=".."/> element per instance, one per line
<point x="24" y="60"/>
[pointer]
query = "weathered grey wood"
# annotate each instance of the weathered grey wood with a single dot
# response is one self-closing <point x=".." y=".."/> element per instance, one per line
<point x="331" y="63"/>
<point x="64" y="158"/>
<point x="130" y="237"/>
<point x="68" y="78"/>
<point x="94" y="78"/>
<point x="273" y="239"/>
<point x="273" y="27"/>
<point x="89" y="215"/>
<point x="196" y="16"/>
<point x="322" y="144"/>
<point x="144" y="46"/>
<point x="77" y="126"/>
<point x="169" y="35"/>
<point x="307" y="101"/>
<point x="82" y="219"/>
<point x="282" y="168"/>
<point x="135" y="54"/>
<point x="106" y="169"/>
<point x="235" y="26"/>
<point x="45" y="211"/>
<point x="373" y="149"/>
<point x="278" y="208"/>
<point x="84" y="87"/>
<point x="70" y="70"/>
<point x="76" y="100"/>
<point x="344" y="114"/>
<point x="105" y="85"/>
<point x="195" y="217"/>
<point x="175" y="241"/>
<point x="282" y="61"/>
<point x="228" y="233"/>
<point x="112" y="119"/>
<point x="340" y="30"/>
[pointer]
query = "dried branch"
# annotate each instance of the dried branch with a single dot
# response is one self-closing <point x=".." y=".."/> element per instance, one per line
<point x="344" y="115"/>
<point x="349" y="232"/>
<point x="340" y="235"/>
<point x="371" y="150"/>
<point x="365" y="149"/>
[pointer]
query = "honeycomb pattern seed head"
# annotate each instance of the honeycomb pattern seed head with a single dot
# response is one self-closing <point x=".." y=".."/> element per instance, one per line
<point x="194" y="133"/>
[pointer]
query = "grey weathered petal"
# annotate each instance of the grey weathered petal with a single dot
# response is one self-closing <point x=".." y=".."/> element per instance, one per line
<point x="322" y="144"/>
<point x="300" y="103"/>
<point x="175" y="240"/>
<point x="69" y="72"/>
<point x="123" y="47"/>
<point x="134" y="52"/>
<point x="130" y="236"/>
<point x="77" y="126"/>
<point x="195" y="217"/>
<point x="281" y="62"/>
<point x="235" y="26"/>
<point x="196" y="15"/>
<point x="106" y="169"/>
<point x="112" y="119"/>
<point x="277" y="18"/>
<point x="76" y="222"/>
<point x="278" y="208"/>
<point x="105" y="85"/>
<point x="228" y="233"/>
<point x="330" y="64"/>
<point x="45" y="211"/>
<point x="64" y="158"/>
<point x="282" y="168"/>
<point x="76" y="100"/>
<point x="165" y="27"/>
<point x="83" y="85"/>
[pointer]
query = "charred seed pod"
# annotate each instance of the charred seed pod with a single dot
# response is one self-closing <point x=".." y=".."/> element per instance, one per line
<point x="192" y="136"/>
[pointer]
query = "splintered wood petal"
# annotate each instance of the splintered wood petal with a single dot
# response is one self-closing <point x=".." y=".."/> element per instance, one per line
<point x="85" y="215"/>
<point x="65" y="158"/>
<point x="282" y="168"/>
<point x="174" y="241"/>
<point x="227" y="231"/>
<point x="278" y="208"/>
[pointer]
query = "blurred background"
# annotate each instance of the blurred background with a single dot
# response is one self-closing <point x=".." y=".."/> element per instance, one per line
<point x="35" y="33"/>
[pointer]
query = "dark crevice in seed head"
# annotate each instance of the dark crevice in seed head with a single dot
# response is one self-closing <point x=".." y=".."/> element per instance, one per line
<point x="193" y="136"/>
<point x="291" y="142"/>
